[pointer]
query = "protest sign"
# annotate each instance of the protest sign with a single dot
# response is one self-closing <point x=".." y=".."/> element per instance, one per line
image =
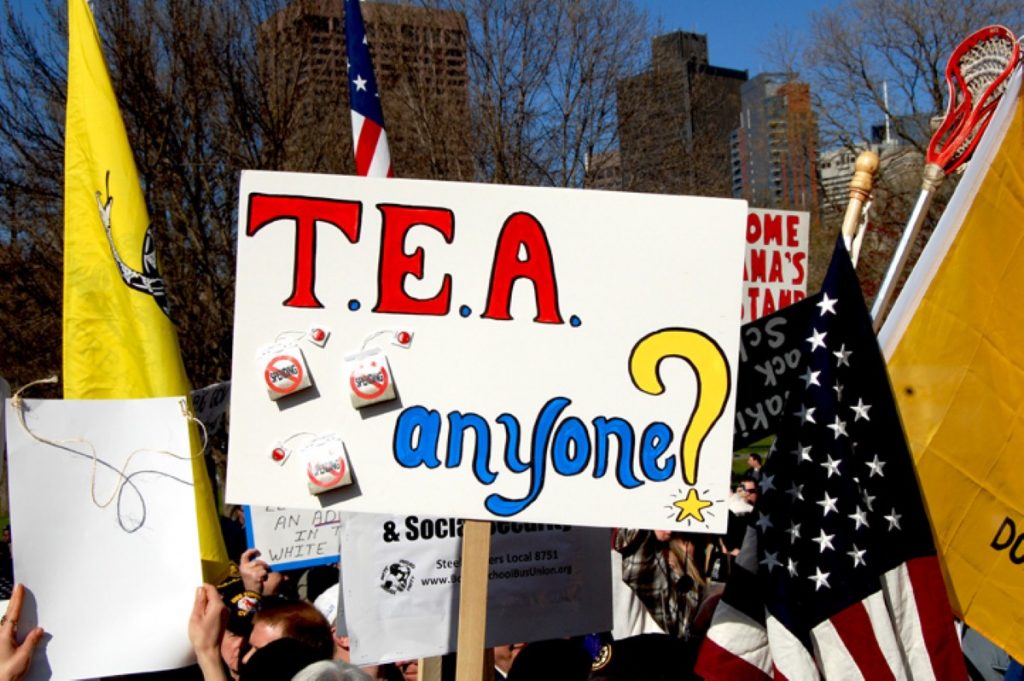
<point x="5" y="391"/>
<point x="770" y="351"/>
<point x="104" y="503"/>
<point x="523" y="333"/>
<point x="210" y="403"/>
<point x="401" y="598"/>
<point x="775" y="270"/>
<point x="293" y="538"/>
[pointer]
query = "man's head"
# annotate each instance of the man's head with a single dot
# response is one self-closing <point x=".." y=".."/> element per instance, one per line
<point x="298" y="621"/>
<point x="505" y="655"/>
<point x="750" y="492"/>
<point x="241" y="611"/>
<point x="754" y="460"/>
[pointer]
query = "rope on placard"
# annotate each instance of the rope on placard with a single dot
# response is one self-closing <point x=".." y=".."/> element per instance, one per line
<point x="124" y="479"/>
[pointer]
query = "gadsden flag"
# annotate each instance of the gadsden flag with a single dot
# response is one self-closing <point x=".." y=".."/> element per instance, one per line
<point x="955" y="343"/>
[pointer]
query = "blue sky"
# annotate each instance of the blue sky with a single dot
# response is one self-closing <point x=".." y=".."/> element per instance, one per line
<point x="736" y="29"/>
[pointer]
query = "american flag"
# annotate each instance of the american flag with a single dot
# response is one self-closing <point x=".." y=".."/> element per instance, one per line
<point x="838" y="578"/>
<point x="368" y="135"/>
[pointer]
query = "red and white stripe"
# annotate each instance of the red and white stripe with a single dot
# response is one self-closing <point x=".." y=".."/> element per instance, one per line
<point x="736" y="647"/>
<point x="922" y="621"/>
<point x="789" y="657"/>
<point x="859" y="643"/>
<point x="902" y="632"/>
<point x="373" y="158"/>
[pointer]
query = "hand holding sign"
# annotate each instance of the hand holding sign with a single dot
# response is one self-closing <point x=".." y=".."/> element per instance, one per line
<point x="254" y="572"/>
<point x="14" y="657"/>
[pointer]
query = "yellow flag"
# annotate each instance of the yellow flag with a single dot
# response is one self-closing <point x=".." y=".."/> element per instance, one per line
<point x="955" y="342"/>
<point x="119" y="342"/>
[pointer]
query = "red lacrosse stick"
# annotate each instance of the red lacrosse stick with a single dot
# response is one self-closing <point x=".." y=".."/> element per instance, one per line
<point x="977" y="74"/>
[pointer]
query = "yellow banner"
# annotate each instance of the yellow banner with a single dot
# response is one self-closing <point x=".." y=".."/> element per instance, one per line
<point x="119" y="342"/>
<point x="958" y="373"/>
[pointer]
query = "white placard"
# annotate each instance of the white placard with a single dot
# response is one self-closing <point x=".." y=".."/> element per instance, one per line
<point x="293" y="538"/>
<point x="775" y="270"/>
<point x="210" y="403"/>
<point x="401" y="589"/>
<point x="539" y="319"/>
<point x="113" y="587"/>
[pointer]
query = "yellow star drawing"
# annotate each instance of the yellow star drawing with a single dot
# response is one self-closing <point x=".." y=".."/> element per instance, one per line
<point x="692" y="505"/>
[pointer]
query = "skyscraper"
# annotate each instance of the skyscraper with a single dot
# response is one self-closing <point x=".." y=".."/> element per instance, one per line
<point x="773" y="149"/>
<point x="675" y="119"/>
<point x="420" y="60"/>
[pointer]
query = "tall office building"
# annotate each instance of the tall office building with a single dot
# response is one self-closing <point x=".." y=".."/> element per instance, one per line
<point x="419" y="56"/>
<point x="675" y="119"/>
<point x="773" y="150"/>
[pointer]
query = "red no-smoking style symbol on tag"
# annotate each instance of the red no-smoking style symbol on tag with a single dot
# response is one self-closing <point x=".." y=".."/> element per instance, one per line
<point x="283" y="374"/>
<point x="326" y="474"/>
<point x="369" y="383"/>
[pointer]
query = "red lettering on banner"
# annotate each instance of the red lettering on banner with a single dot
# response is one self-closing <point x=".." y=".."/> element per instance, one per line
<point x="753" y="293"/>
<point x="523" y="231"/>
<point x="798" y="263"/>
<point x="753" y="228"/>
<point x="772" y="229"/>
<point x="304" y="212"/>
<point x="775" y="274"/>
<point x="792" y="222"/>
<point x="757" y="264"/>
<point x="764" y="301"/>
<point x="520" y="233"/>
<point x="395" y="264"/>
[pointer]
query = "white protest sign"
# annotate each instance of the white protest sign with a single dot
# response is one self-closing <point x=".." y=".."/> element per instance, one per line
<point x="293" y="538"/>
<point x="524" y="332"/>
<point x="210" y="403"/>
<point x="5" y="392"/>
<point x="112" y="586"/>
<point x="401" y="591"/>
<point x="775" y="270"/>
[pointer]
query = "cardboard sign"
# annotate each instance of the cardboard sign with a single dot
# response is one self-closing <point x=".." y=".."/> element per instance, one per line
<point x="401" y="597"/>
<point x="573" y="359"/>
<point x="210" y="404"/>
<point x="292" y="538"/>
<point x="775" y="270"/>
<point x="770" y="350"/>
<point x="138" y="552"/>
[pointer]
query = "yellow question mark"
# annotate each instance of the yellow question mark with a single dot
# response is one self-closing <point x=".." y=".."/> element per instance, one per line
<point x="708" y="362"/>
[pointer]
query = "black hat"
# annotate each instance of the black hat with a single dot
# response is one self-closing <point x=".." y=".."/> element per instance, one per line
<point x="278" y="660"/>
<point x="554" y="660"/>
<point x="649" y="657"/>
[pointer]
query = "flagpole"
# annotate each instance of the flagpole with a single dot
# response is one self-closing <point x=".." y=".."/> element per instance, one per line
<point x="861" y="184"/>
<point x="932" y="180"/>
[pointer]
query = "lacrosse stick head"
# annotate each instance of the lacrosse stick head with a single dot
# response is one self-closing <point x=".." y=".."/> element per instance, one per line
<point x="977" y="75"/>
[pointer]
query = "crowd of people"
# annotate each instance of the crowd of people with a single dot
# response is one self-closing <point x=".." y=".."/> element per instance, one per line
<point x="266" y="625"/>
<point x="262" y="624"/>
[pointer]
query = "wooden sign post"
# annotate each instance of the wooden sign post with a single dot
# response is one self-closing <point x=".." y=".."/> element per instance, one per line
<point x="474" y="664"/>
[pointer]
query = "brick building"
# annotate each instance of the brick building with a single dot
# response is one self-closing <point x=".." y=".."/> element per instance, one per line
<point x="675" y="119"/>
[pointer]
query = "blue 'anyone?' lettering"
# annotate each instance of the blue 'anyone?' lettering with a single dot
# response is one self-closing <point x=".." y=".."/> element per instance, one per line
<point x="572" y="449"/>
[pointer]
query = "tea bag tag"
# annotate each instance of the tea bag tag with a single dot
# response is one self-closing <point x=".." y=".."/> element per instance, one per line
<point x="285" y="371"/>
<point x="327" y="465"/>
<point x="369" y="378"/>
